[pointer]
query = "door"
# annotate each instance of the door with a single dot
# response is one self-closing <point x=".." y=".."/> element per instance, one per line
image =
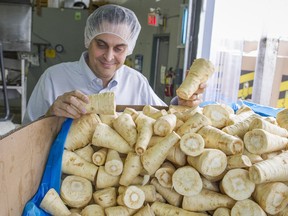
<point x="159" y="64"/>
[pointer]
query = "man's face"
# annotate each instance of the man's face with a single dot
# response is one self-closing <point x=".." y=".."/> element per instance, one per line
<point x="107" y="53"/>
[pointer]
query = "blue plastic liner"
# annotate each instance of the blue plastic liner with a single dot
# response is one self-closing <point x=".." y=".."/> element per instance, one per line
<point x="52" y="174"/>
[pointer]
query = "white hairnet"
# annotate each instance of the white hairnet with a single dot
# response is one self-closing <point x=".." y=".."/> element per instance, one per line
<point x="113" y="19"/>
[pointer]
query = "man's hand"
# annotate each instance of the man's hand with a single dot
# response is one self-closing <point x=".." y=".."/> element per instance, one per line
<point x="69" y="105"/>
<point x="195" y="99"/>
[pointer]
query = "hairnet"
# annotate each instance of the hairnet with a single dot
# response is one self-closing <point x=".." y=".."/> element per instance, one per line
<point x="113" y="19"/>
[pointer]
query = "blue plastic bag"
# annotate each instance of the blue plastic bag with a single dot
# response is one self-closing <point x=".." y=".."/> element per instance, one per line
<point x="52" y="174"/>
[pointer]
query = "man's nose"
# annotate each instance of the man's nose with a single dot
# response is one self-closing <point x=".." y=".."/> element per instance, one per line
<point x="109" y="55"/>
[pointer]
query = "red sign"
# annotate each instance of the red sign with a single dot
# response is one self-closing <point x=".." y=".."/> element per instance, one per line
<point x="152" y="19"/>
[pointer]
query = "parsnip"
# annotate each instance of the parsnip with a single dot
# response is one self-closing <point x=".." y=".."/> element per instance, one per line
<point x="154" y="156"/>
<point x="284" y="212"/>
<point x="102" y="103"/>
<point x="199" y="72"/>
<point x="85" y="152"/>
<point x="104" y="179"/>
<point x="211" y="162"/>
<point x="76" y="191"/>
<point x="99" y="157"/>
<point x="164" y="125"/>
<point x="237" y="185"/>
<point x="132" y="112"/>
<point x="149" y="192"/>
<point x="241" y="114"/>
<point x="182" y="179"/>
<point x="273" y="169"/>
<point x="170" y="195"/>
<point x="153" y="112"/>
<point x="92" y="210"/>
<point x="193" y="124"/>
<point x="282" y="118"/>
<point x="132" y="168"/>
<point x="145" y="132"/>
<point x="108" y="119"/>
<point x="219" y="114"/>
<point x="222" y="212"/>
<point x="126" y="127"/>
<point x="170" y="210"/>
<point x="145" y="211"/>
<point x="238" y="161"/>
<point x="247" y="207"/>
<point x="81" y="131"/>
<point x="215" y="138"/>
<point x="164" y="174"/>
<point x="114" y="164"/>
<point x="209" y="185"/>
<point x="259" y="141"/>
<point x="192" y="144"/>
<point x="75" y="165"/>
<point x="272" y="196"/>
<point x="207" y="200"/>
<point x="119" y="211"/>
<point x="105" y="136"/>
<point x="254" y="158"/>
<point x="105" y="197"/>
<point x="177" y="156"/>
<point x="240" y="128"/>
<point x="133" y="197"/>
<point x="260" y="123"/>
<point x="53" y="204"/>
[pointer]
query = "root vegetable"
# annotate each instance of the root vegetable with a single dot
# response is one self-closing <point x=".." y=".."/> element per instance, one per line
<point x="241" y="115"/>
<point x="192" y="144"/>
<point x="153" y="112"/>
<point x="215" y="138"/>
<point x="193" y="124"/>
<point x="259" y="141"/>
<point x="86" y="153"/>
<point x="211" y="162"/>
<point x="238" y="161"/>
<point x="254" y="158"/>
<point x="169" y="210"/>
<point x="222" y="212"/>
<point x="104" y="179"/>
<point x="247" y="207"/>
<point x="81" y="131"/>
<point x="209" y="185"/>
<point x="92" y="210"/>
<point x="272" y="196"/>
<point x="105" y="197"/>
<point x="105" y="136"/>
<point x="164" y="174"/>
<point x="53" y="204"/>
<point x="119" y="211"/>
<point x="154" y="156"/>
<point x="149" y="191"/>
<point x="219" y="114"/>
<point x="133" y="197"/>
<point x="102" y="103"/>
<point x="99" y="157"/>
<point x="164" y="125"/>
<point x="182" y="179"/>
<point x="237" y="185"/>
<point x="145" y="132"/>
<point x="199" y="72"/>
<point x="75" y="165"/>
<point x="145" y="211"/>
<point x="108" y="119"/>
<point x="114" y="164"/>
<point x="273" y="169"/>
<point x="76" y="191"/>
<point x="132" y="168"/>
<point x="282" y="118"/>
<point x="170" y="195"/>
<point x="207" y="200"/>
<point x="176" y="155"/>
<point x="240" y="128"/>
<point x="126" y="127"/>
<point x="260" y="123"/>
<point x="131" y="112"/>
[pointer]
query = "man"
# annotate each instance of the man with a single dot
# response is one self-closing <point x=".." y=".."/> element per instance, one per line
<point x="110" y="35"/>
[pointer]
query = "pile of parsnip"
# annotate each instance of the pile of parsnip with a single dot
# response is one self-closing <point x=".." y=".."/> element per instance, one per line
<point x="176" y="161"/>
<point x="203" y="161"/>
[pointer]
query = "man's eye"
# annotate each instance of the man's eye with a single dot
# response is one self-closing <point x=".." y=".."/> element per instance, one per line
<point x="119" y="49"/>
